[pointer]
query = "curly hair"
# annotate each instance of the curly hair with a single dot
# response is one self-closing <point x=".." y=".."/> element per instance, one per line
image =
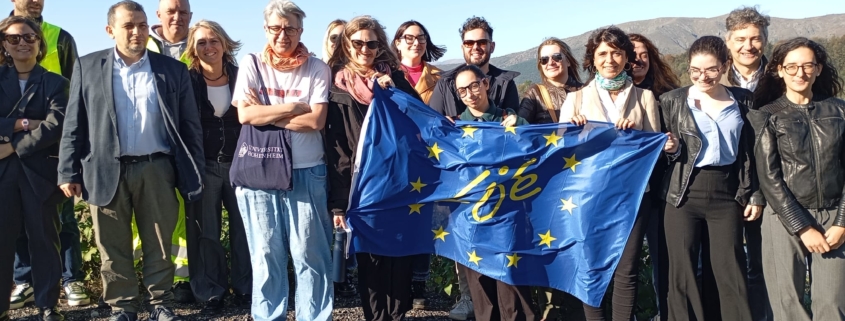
<point x="661" y="74"/>
<point x="772" y="87"/>
<point x="476" y="23"/>
<point x="432" y="52"/>
<point x="13" y="20"/>
<point x="615" y="38"/>
<point x="342" y="57"/>
<point x="745" y="16"/>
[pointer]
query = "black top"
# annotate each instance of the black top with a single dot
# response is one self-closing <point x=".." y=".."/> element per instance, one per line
<point x="220" y="134"/>
<point x="502" y="92"/>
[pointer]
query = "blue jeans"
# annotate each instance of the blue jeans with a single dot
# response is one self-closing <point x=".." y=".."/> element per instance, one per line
<point x="297" y="220"/>
<point x="71" y="252"/>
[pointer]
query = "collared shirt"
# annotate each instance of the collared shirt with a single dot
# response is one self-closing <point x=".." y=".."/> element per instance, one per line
<point x="720" y="136"/>
<point x="492" y="113"/>
<point x="751" y="83"/>
<point x="613" y="108"/>
<point x="140" y="124"/>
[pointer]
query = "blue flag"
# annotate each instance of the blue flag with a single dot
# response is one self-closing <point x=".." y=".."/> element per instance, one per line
<point x="544" y="205"/>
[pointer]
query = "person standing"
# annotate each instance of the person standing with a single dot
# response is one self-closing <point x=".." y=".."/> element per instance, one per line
<point x="132" y="136"/>
<point x="59" y="57"/>
<point x="558" y="70"/>
<point x="799" y="158"/>
<point x="170" y="37"/>
<point x="333" y="33"/>
<point x="32" y="108"/>
<point x="279" y="171"/>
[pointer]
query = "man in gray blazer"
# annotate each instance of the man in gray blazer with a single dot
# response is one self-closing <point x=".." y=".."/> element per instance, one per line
<point x="132" y="138"/>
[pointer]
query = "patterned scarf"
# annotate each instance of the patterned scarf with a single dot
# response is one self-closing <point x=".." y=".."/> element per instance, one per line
<point x="360" y="87"/>
<point x="614" y="83"/>
<point x="300" y="56"/>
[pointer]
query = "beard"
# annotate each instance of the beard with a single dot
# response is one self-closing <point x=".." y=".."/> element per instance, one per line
<point x="484" y="60"/>
<point x="135" y="49"/>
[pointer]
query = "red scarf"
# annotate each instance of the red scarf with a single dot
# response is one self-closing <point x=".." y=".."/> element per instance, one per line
<point x="360" y="87"/>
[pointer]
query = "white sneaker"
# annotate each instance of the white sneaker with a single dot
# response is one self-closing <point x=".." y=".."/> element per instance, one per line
<point x="462" y="310"/>
<point x="76" y="294"/>
<point x="20" y="296"/>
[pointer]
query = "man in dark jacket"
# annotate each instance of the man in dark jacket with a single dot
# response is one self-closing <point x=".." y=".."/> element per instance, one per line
<point x="131" y="138"/>
<point x="478" y="46"/>
<point x="59" y="58"/>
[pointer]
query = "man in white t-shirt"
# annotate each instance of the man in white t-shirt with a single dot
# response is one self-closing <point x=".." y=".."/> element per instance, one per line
<point x="277" y="220"/>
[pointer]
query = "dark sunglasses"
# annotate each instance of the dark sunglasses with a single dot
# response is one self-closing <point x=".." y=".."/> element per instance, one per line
<point x="409" y="39"/>
<point x="480" y="42"/>
<point x="544" y="60"/>
<point x="16" y="39"/>
<point x="333" y="38"/>
<point x="358" y="44"/>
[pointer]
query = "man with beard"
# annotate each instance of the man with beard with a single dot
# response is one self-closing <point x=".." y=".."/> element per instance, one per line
<point x="59" y="58"/>
<point x="131" y="137"/>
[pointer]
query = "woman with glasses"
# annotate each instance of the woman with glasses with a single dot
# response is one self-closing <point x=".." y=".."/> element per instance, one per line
<point x="330" y="40"/>
<point x="32" y="105"/>
<point x="801" y="130"/>
<point x="362" y="60"/>
<point x="412" y="44"/>
<point x="610" y="96"/>
<point x="710" y="187"/>
<point x="557" y="66"/>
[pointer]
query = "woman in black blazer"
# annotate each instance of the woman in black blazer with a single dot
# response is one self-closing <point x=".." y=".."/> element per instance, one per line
<point x="32" y="104"/>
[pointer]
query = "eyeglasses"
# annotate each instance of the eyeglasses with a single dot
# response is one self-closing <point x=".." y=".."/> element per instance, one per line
<point x="16" y="39"/>
<point x="480" y="42"/>
<point x="409" y="39"/>
<point x="333" y="38"/>
<point x="557" y="57"/>
<point x="711" y="72"/>
<point x="358" y="44"/>
<point x="808" y="68"/>
<point x="290" y="31"/>
<point x="475" y="86"/>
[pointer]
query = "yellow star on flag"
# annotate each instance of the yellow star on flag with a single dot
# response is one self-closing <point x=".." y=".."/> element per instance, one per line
<point x="415" y="208"/>
<point x="571" y="162"/>
<point x="568" y="205"/>
<point x="547" y="238"/>
<point x="513" y="259"/>
<point x="510" y="129"/>
<point x="552" y="139"/>
<point x="474" y="258"/>
<point x="418" y="185"/>
<point x="440" y="233"/>
<point x="469" y="131"/>
<point x="434" y="151"/>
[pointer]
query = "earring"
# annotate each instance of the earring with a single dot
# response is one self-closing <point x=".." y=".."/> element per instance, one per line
<point x="627" y="66"/>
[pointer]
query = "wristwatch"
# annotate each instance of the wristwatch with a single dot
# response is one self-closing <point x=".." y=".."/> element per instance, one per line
<point x="25" y="124"/>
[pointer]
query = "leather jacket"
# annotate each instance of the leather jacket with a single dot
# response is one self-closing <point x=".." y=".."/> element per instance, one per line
<point x="799" y="152"/>
<point x="679" y="120"/>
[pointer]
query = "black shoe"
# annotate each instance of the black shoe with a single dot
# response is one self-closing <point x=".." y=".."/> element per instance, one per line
<point x="242" y="301"/>
<point x="124" y="316"/>
<point x="164" y="314"/>
<point x="212" y="307"/>
<point x="51" y="314"/>
<point x="345" y="289"/>
<point x="101" y="304"/>
<point x="182" y="292"/>
<point x="418" y="293"/>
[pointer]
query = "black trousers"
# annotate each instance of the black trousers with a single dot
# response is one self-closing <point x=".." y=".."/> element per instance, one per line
<point x="758" y="295"/>
<point x="21" y="205"/>
<point x="625" y="278"/>
<point x="494" y="300"/>
<point x="708" y="220"/>
<point x="206" y="255"/>
<point x="384" y="285"/>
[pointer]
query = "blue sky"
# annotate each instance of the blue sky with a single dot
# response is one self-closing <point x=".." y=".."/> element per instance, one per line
<point x="517" y="24"/>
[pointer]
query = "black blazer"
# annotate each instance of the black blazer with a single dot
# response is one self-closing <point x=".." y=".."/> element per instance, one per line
<point x="38" y="148"/>
<point x="90" y="147"/>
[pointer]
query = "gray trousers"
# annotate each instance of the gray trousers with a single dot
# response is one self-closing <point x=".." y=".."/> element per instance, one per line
<point x="148" y="189"/>
<point x="785" y="270"/>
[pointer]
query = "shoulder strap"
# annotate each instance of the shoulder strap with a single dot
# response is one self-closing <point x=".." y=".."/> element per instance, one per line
<point x="262" y="90"/>
<point x="578" y="95"/>
<point x="547" y="100"/>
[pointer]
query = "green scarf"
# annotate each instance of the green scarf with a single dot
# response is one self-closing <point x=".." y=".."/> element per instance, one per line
<point x="614" y="83"/>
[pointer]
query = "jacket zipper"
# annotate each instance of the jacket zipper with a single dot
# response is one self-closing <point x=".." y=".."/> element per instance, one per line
<point x="806" y="112"/>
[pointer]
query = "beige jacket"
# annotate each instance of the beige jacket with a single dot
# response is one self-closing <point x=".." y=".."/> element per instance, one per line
<point x="641" y="107"/>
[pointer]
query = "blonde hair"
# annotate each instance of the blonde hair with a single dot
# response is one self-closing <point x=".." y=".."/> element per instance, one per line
<point x="567" y="54"/>
<point x="334" y="24"/>
<point x="230" y="47"/>
<point x="342" y="57"/>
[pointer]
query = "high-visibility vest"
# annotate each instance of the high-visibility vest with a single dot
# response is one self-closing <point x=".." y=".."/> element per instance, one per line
<point x="51" y="60"/>
<point x="153" y="45"/>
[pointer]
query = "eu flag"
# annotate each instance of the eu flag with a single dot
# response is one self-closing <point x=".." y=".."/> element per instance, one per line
<point x="545" y="205"/>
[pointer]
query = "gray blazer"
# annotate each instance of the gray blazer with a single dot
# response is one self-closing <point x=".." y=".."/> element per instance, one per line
<point x="90" y="147"/>
<point x="38" y="148"/>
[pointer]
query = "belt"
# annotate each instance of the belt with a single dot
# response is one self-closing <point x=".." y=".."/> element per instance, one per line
<point x="221" y="159"/>
<point x="143" y="158"/>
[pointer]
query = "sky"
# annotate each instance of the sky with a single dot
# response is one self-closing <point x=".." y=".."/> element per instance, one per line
<point x="517" y="24"/>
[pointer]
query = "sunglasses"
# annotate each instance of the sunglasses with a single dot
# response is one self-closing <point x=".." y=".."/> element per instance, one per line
<point x="480" y="42"/>
<point x="16" y="39"/>
<point x="333" y="38"/>
<point x="557" y="57"/>
<point x="409" y="39"/>
<point x="358" y="44"/>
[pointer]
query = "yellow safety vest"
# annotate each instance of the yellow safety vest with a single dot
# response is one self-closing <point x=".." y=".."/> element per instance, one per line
<point x="153" y="46"/>
<point x="51" y="60"/>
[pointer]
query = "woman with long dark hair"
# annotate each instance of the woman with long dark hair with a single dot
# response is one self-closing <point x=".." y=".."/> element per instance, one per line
<point x="558" y="71"/>
<point x="710" y="186"/>
<point x="801" y="129"/>
<point x="412" y="44"/>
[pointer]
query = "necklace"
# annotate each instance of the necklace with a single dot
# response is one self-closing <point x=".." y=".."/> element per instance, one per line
<point x="25" y="72"/>
<point x="215" y="79"/>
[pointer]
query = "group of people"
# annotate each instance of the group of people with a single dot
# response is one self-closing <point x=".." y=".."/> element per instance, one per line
<point x="165" y="129"/>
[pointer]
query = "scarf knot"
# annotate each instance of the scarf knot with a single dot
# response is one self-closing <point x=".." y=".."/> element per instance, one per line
<point x="358" y="86"/>
<point x="614" y="83"/>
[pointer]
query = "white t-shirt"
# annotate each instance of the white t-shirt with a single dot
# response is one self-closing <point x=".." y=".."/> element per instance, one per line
<point x="308" y="83"/>
<point x="220" y="99"/>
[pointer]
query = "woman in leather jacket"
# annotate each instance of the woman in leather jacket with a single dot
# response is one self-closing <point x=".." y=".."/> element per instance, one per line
<point x="710" y="186"/>
<point x="800" y="149"/>
<point x="559" y="71"/>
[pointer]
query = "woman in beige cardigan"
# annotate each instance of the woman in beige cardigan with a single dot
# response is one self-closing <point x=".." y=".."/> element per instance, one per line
<point x="610" y="96"/>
